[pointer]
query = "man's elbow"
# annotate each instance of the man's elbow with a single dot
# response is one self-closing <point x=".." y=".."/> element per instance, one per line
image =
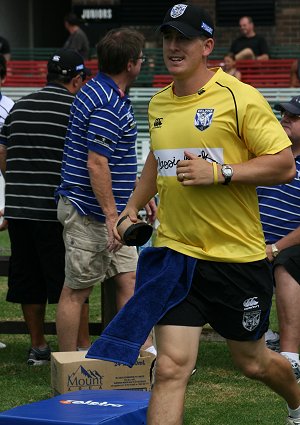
<point x="290" y="173"/>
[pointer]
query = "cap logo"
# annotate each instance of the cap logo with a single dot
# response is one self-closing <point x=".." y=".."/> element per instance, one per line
<point x="56" y="58"/>
<point x="79" y="67"/>
<point x="206" y="28"/>
<point x="178" y="10"/>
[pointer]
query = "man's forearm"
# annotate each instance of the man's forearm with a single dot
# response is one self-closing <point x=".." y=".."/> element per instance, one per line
<point x="100" y="178"/>
<point x="146" y="187"/>
<point x="293" y="238"/>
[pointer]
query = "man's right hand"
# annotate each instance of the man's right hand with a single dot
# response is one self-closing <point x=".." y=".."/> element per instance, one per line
<point x="132" y="214"/>
<point x="113" y="244"/>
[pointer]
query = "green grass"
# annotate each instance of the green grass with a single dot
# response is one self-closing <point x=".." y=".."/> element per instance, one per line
<point x="217" y="394"/>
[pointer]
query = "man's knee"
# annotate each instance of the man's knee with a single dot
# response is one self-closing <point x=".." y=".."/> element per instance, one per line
<point x="75" y="295"/>
<point x="246" y="53"/>
<point x="172" y="368"/>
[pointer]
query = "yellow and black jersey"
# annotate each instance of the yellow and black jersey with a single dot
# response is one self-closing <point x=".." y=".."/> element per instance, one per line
<point x="226" y="121"/>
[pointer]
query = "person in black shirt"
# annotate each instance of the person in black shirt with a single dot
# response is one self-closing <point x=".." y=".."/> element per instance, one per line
<point x="249" y="45"/>
<point x="31" y="151"/>
<point x="77" y="39"/>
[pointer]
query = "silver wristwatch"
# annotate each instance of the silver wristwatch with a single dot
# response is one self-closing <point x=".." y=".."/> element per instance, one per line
<point x="275" y="250"/>
<point x="227" y="173"/>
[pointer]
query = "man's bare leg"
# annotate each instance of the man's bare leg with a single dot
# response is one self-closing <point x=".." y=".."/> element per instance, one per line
<point x="34" y="316"/>
<point x="68" y="316"/>
<point x="288" y="311"/>
<point x="177" y="355"/>
<point x="256" y="361"/>
<point x="83" y="340"/>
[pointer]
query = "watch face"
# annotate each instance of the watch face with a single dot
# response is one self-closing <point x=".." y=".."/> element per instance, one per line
<point x="227" y="171"/>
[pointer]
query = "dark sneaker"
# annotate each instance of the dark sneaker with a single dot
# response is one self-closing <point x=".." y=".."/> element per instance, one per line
<point x="273" y="345"/>
<point x="272" y="340"/>
<point x="293" y="421"/>
<point x="39" y="357"/>
<point x="296" y="370"/>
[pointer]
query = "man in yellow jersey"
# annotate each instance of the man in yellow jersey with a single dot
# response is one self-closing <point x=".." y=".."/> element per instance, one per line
<point x="213" y="140"/>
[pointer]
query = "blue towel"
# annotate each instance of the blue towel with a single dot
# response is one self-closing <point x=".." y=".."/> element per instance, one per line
<point x="163" y="279"/>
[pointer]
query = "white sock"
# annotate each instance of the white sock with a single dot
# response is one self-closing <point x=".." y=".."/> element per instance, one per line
<point x="292" y="356"/>
<point x="82" y="348"/>
<point x="151" y="350"/>
<point x="294" y="413"/>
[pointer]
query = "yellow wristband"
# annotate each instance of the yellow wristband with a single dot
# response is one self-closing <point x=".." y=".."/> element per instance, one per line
<point x="215" y="172"/>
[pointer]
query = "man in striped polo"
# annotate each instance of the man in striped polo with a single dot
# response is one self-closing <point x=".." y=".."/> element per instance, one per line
<point x="280" y="217"/>
<point x="6" y="103"/>
<point x="31" y="146"/>
<point x="98" y="176"/>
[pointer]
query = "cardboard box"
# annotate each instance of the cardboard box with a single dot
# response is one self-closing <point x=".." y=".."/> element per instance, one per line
<point x="71" y="371"/>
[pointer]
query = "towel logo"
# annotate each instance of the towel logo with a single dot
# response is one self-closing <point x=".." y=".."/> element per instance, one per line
<point x="203" y="118"/>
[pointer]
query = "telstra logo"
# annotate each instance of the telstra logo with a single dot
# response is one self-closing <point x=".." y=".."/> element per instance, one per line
<point x="91" y="403"/>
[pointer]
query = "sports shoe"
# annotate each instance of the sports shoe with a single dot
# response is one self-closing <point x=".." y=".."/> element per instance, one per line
<point x="2" y="345"/>
<point x="292" y="421"/>
<point x="273" y="345"/>
<point x="38" y="357"/>
<point x="272" y="340"/>
<point x="296" y="369"/>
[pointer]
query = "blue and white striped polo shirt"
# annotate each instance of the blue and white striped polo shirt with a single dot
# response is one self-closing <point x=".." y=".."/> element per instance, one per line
<point x="279" y="208"/>
<point x="101" y="121"/>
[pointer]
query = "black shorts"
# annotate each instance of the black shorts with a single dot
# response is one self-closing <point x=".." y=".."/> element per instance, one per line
<point x="234" y="298"/>
<point x="290" y="259"/>
<point x="36" y="266"/>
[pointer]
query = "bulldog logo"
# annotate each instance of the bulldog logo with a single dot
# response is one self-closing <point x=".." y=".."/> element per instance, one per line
<point x="203" y="118"/>
<point x="251" y="320"/>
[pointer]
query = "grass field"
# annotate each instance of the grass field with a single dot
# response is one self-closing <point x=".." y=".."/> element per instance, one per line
<point x="217" y="394"/>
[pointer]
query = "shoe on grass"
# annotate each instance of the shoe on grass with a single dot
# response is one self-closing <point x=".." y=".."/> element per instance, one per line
<point x="272" y="340"/>
<point x="296" y="369"/>
<point x="2" y="345"/>
<point x="293" y="421"/>
<point x="273" y="345"/>
<point x="38" y="357"/>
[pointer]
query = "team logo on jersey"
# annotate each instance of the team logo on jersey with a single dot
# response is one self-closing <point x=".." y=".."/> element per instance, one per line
<point x="131" y="120"/>
<point x="251" y="319"/>
<point x="103" y="141"/>
<point x="203" y="118"/>
<point x="178" y="10"/>
<point x="158" y="122"/>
